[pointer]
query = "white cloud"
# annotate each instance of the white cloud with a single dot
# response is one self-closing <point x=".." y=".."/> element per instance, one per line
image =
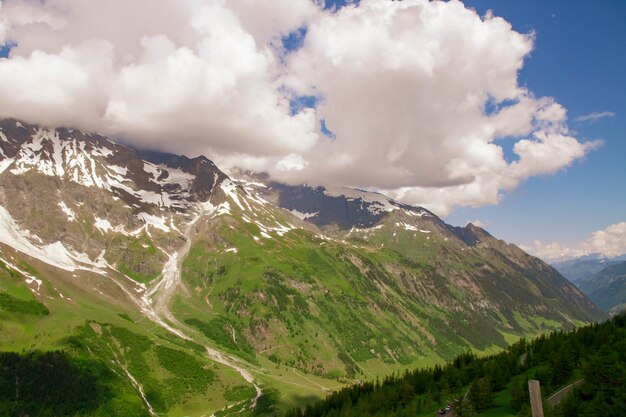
<point x="266" y="20"/>
<point x="595" y="116"/>
<point x="547" y="153"/>
<point x="292" y="162"/>
<point x="404" y="87"/>
<point x="187" y="78"/>
<point x="550" y="251"/>
<point x="3" y="28"/>
<point x="610" y="242"/>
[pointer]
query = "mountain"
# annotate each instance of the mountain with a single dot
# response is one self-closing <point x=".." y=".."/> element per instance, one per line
<point x="601" y="278"/>
<point x="607" y="288"/>
<point x="190" y="292"/>
<point x="581" y="268"/>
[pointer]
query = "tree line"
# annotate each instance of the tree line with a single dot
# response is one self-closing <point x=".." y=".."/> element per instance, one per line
<point x="595" y="354"/>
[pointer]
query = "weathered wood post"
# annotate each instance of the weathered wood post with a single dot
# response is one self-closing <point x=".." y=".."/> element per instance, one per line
<point x="534" y="389"/>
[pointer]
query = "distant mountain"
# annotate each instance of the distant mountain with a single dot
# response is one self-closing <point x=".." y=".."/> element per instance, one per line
<point x="582" y="268"/>
<point x="607" y="288"/>
<point x="601" y="278"/>
<point x="271" y="295"/>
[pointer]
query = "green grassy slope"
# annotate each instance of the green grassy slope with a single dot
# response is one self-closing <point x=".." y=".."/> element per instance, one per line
<point x="496" y="386"/>
<point x="355" y="309"/>
<point x="104" y="333"/>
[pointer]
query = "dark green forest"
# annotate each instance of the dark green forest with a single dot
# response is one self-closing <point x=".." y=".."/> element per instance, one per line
<point x="594" y="355"/>
<point x="59" y="384"/>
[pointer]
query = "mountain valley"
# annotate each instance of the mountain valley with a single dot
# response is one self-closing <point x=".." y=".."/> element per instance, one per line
<point x="196" y="293"/>
<point x="603" y="280"/>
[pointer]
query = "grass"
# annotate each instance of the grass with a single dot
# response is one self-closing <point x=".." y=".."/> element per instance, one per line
<point x="20" y="306"/>
<point x="263" y="283"/>
<point x="140" y="259"/>
<point x="286" y="294"/>
<point x="500" y="406"/>
<point x="155" y="358"/>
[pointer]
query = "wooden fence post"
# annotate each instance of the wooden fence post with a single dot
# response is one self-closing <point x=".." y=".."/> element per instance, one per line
<point x="536" y="405"/>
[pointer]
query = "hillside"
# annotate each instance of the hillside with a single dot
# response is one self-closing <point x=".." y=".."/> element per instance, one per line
<point x="497" y="386"/>
<point x="134" y="263"/>
<point x="607" y="288"/>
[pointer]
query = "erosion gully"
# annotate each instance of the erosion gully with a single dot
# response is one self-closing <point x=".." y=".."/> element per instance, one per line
<point x="155" y="305"/>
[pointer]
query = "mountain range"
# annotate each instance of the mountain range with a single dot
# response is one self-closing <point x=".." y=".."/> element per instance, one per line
<point x="601" y="278"/>
<point x="203" y="293"/>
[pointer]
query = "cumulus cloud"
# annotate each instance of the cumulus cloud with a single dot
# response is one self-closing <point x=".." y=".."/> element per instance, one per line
<point x="610" y="242"/>
<point x="3" y="28"/>
<point x="547" y="153"/>
<point x="405" y="88"/>
<point x="181" y="76"/>
<point x="417" y="94"/>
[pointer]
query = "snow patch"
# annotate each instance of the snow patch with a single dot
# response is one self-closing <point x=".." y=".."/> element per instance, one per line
<point x="150" y="197"/>
<point x="103" y="225"/>
<point x="154" y="221"/>
<point x="54" y="254"/>
<point x="102" y="152"/>
<point x="303" y="216"/>
<point x="378" y="201"/>
<point x="230" y="189"/>
<point x="118" y="169"/>
<point x="176" y="176"/>
<point x="406" y="226"/>
<point x="5" y="163"/>
<point x="421" y="213"/>
<point x="151" y="169"/>
<point x="258" y="199"/>
<point x="29" y="279"/>
<point x="223" y="208"/>
<point x="68" y="211"/>
<point x="249" y="185"/>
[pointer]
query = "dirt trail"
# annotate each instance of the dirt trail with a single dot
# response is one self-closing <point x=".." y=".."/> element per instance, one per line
<point x="155" y="305"/>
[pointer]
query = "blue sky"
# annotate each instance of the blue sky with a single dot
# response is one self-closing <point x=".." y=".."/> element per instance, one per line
<point x="579" y="59"/>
